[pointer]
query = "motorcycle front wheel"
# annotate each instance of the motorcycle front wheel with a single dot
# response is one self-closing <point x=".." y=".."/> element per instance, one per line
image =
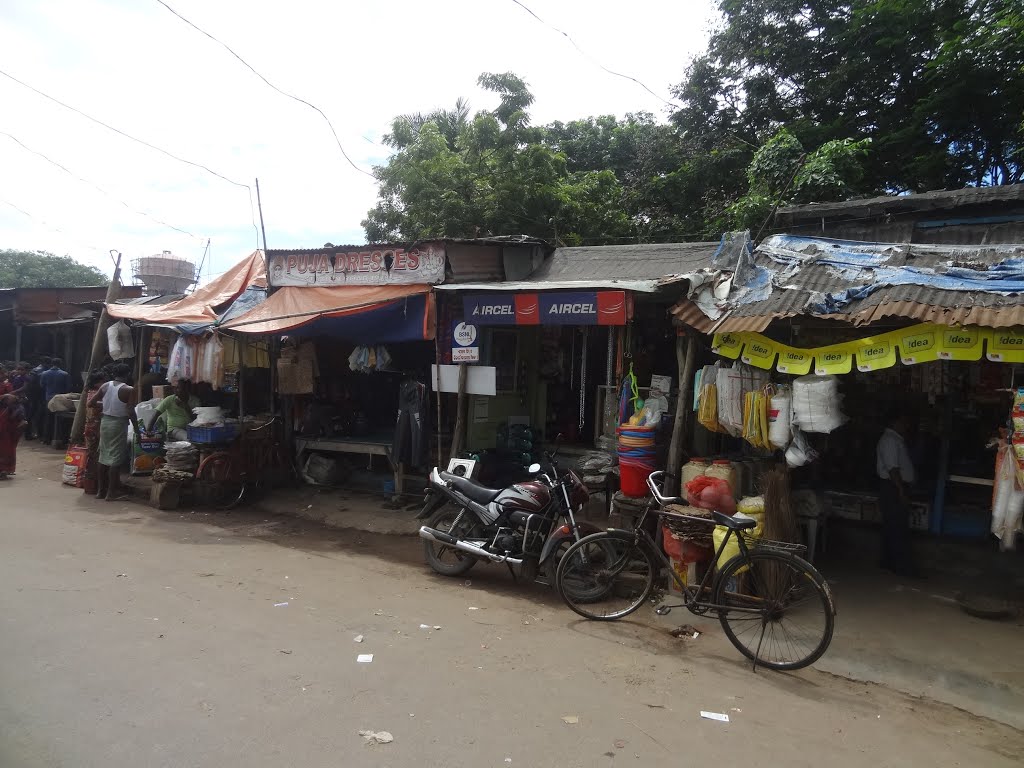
<point x="443" y="559"/>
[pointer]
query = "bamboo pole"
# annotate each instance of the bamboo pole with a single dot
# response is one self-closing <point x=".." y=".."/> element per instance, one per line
<point x="686" y="357"/>
<point x="99" y="341"/>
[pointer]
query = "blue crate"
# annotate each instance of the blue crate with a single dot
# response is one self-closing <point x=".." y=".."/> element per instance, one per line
<point x="222" y="434"/>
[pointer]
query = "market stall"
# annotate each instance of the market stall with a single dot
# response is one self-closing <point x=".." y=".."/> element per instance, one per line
<point x="352" y="352"/>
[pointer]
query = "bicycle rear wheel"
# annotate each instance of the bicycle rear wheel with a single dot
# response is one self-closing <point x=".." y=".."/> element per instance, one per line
<point x="605" y="577"/>
<point x="221" y="480"/>
<point x="775" y="608"/>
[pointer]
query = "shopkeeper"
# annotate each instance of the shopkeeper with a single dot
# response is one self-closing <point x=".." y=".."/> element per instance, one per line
<point x="176" y="410"/>
<point x="896" y="477"/>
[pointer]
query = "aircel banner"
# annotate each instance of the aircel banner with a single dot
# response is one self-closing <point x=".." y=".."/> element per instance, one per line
<point x="554" y="308"/>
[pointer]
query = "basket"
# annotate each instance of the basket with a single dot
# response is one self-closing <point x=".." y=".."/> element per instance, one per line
<point x="221" y="434"/>
<point x="694" y="531"/>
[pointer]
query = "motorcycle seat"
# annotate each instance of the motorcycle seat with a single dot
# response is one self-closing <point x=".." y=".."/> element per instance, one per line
<point x="471" y="490"/>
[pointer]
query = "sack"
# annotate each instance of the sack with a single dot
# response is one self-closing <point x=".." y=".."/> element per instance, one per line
<point x="119" y="341"/>
<point x="733" y="548"/>
<point x="780" y="420"/>
<point x="74" y="466"/>
<point x="755" y="419"/>
<point x="817" y="403"/>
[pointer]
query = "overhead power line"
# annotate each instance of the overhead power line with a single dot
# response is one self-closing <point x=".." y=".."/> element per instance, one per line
<point x="97" y="187"/>
<point x="161" y="150"/>
<point x="122" y="133"/>
<point x="292" y="96"/>
<point x="43" y="223"/>
<point x="590" y="58"/>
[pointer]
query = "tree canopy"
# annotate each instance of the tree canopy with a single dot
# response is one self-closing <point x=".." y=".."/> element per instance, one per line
<point x="40" y="269"/>
<point x="794" y="101"/>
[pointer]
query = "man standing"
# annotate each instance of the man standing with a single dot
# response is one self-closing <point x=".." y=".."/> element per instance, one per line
<point x="896" y="477"/>
<point x="36" y="409"/>
<point x="118" y="403"/>
<point x="177" y="411"/>
<point x="55" y="381"/>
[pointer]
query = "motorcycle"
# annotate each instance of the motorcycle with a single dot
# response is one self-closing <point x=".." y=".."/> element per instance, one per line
<point x="528" y="524"/>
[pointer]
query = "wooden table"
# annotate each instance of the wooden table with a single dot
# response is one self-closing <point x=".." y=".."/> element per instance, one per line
<point x="370" y="446"/>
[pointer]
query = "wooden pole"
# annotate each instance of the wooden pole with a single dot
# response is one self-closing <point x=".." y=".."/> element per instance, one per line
<point x="99" y="342"/>
<point x="263" y="229"/>
<point x="459" y="438"/>
<point x="686" y="357"/>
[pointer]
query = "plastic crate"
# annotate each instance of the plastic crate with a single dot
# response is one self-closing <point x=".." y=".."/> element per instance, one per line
<point x="221" y="434"/>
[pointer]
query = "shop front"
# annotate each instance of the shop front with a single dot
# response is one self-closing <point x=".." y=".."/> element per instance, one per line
<point x="354" y="330"/>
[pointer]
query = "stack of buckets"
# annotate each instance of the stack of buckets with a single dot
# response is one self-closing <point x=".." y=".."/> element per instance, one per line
<point x="636" y="458"/>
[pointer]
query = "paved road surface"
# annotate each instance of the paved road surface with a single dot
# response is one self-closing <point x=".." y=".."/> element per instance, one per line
<point x="139" y="638"/>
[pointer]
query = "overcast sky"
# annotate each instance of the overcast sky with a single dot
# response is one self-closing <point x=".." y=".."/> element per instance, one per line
<point x="135" y="66"/>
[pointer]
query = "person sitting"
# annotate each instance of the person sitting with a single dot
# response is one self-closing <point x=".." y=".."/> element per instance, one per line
<point x="176" y="410"/>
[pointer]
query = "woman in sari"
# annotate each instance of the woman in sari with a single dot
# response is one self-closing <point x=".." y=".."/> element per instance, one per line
<point x="93" y="416"/>
<point x="12" y="422"/>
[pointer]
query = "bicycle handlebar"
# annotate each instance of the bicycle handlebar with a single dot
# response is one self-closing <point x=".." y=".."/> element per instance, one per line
<point x="652" y="482"/>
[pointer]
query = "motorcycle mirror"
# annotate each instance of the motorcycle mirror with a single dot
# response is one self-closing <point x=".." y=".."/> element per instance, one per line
<point x="533" y="469"/>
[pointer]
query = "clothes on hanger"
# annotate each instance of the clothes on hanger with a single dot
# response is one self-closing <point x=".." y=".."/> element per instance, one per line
<point x="411" y="428"/>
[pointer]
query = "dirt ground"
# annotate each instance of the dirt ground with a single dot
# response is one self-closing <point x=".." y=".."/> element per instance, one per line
<point x="134" y="637"/>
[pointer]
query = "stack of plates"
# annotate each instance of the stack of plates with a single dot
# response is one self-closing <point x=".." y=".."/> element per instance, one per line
<point x="182" y="456"/>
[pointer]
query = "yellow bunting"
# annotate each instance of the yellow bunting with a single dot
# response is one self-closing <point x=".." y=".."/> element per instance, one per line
<point x="759" y="352"/>
<point x="875" y="353"/>
<point x="920" y="344"/>
<point x="833" y="360"/>
<point x="728" y="345"/>
<point x="963" y="343"/>
<point x="795" y="361"/>
<point x="1006" y="345"/>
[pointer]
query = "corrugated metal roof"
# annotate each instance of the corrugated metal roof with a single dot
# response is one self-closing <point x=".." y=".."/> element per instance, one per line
<point x="496" y="240"/>
<point x="796" y="290"/>
<point x="649" y="261"/>
<point x="923" y="201"/>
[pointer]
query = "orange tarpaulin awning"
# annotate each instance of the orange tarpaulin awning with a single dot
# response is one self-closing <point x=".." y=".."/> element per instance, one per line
<point x="200" y="306"/>
<point x="291" y="308"/>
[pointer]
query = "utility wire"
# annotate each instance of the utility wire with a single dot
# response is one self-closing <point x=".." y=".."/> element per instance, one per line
<point x="44" y="223"/>
<point x="252" y="207"/>
<point x="588" y="56"/>
<point x="73" y="175"/>
<point x="122" y="133"/>
<point x="292" y="96"/>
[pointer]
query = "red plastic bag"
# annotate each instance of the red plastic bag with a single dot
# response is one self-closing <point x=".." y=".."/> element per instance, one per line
<point x="711" y="493"/>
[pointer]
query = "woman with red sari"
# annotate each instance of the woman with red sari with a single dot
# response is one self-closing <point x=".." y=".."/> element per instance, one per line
<point x="12" y="422"/>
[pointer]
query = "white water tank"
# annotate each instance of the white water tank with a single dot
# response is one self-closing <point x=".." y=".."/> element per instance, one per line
<point x="164" y="273"/>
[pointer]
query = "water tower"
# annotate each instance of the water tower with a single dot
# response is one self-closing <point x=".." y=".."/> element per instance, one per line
<point x="164" y="273"/>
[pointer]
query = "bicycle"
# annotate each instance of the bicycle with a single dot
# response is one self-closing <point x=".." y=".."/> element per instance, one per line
<point x="764" y="596"/>
<point x="228" y="476"/>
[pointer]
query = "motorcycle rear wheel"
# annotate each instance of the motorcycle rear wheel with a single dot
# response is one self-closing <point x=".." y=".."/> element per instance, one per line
<point x="445" y="560"/>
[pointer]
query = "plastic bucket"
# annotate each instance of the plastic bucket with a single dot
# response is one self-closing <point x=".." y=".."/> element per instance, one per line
<point x="633" y="479"/>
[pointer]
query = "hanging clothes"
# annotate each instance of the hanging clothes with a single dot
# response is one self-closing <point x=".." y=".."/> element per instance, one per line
<point x="410" y="443"/>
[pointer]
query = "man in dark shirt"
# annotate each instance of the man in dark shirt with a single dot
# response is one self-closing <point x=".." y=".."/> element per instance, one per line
<point x="55" y="381"/>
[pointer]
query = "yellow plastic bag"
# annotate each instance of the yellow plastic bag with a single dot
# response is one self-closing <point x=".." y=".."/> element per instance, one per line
<point x="707" y="412"/>
<point x="733" y="548"/>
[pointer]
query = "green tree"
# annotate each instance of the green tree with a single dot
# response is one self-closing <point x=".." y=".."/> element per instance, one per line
<point x="40" y="269"/>
<point x="935" y="84"/>
<point x="493" y="174"/>
<point x="781" y="171"/>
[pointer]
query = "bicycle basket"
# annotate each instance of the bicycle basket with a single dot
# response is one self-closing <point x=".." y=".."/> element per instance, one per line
<point x="754" y="542"/>
<point x="698" y="532"/>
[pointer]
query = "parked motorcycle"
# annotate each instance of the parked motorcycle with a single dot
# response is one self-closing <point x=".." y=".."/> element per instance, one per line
<point x="527" y="525"/>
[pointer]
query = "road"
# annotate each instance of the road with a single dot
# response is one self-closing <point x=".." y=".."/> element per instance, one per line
<point x="139" y="638"/>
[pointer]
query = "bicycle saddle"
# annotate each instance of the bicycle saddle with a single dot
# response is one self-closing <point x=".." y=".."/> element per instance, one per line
<point x="734" y="523"/>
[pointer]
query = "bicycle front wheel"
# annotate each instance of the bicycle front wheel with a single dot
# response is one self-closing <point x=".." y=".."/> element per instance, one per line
<point x="220" y="479"/>
<point x="775" y="608"/>
<point x="605" y="577"/>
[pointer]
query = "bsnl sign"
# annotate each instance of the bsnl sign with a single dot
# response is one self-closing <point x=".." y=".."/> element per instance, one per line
<point x="555" y="308"/>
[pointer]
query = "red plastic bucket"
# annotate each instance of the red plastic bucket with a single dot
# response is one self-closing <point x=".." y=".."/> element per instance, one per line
<point x="633" y="479"/>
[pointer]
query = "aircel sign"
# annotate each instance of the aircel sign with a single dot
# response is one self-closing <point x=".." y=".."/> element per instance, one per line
<point x="554" y="308"/>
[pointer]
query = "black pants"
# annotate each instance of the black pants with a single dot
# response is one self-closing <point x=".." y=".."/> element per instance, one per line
<point x="896" y="550"/>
